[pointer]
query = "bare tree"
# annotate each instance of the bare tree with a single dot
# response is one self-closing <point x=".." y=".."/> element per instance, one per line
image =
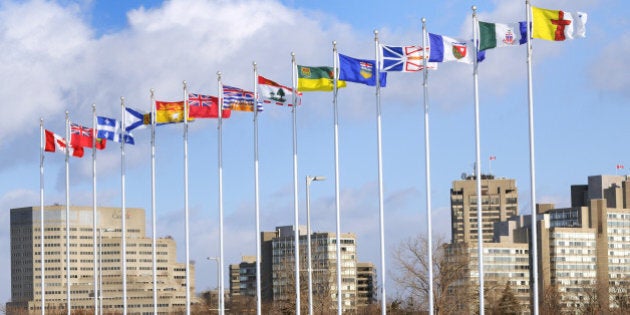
<point x="450" y="269"/>
<point x="551" y="301"/>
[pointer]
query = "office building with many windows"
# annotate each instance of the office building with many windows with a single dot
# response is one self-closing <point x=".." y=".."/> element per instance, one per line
<point x="26" y="262"/>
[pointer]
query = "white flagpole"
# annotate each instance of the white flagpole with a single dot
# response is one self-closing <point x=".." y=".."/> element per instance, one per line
<point x="186" y="214"/>
<point x="68" y="146"/>
<point x="220" y="159"/>
<point x="337" y="205"/>
<point x="256" y="193"/>
<point x="532" y="164"/>
<point x="153" y="207"/>
<point x="478" y="165"/>
<point x="427" y="161"/>
<point x="123" y="247"/>
<point x="41" y="213"/>
<point x="379" y="145"/>
<point x="94" y="217"/>
<point x="295" y="191"/>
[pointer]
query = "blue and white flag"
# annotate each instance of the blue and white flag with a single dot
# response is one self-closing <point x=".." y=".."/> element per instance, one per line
<point x="109" y="128"/>
<point x="404" y="59"/>
<point x="444" y="49"/>
<point x="135" y="120"/>
<point x="360" y="71"/>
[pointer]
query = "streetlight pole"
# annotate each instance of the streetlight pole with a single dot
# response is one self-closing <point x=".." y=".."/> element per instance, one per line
<point x="217" y="287"/>
<point x="309" y="180"/>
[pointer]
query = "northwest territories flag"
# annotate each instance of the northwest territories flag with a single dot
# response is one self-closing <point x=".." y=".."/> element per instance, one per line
<point x="109" y="128"/>
<point x="359" y="71"/>
<point x="444" y="49"/>
<point x="404" y="58"/>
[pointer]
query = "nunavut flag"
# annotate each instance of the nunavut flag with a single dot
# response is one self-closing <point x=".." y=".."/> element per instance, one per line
<point x="169" y="112"/>
<point x="557" y="25"/>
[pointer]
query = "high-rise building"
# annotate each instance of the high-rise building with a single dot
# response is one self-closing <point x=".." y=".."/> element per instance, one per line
<point x="584" y="251"/>
<point x="499" y="199"/>
<point x="505" y="248"/>
<point x="366" y="284"/>
<point x="26" y="262"/>
<point x="278" y="271"/>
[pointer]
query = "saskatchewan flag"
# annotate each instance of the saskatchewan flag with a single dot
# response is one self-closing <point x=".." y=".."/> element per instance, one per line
<point x="316" y="79"/>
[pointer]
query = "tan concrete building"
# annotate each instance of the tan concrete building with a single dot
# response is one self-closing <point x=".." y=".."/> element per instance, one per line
<point x="366" y="284"/>
<point x="499" y="202"/>
<point x="584" y="251"/>
<point x="26" y="262"/>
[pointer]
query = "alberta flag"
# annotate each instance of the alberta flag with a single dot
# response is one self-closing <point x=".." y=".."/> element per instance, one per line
<point x="360" y="71"/>
<point x="444" y="49"/>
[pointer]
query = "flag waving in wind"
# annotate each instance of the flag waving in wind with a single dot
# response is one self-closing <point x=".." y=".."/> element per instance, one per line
<point x="444" y="49"/>
<point x="316" y="79"/>
<point x="404" y="58"/>
<point x="135" y="119"/>
<point x="56" y="143"/>
<point x="84" y="137"/>
<point x="493" y="35"/>
<point x="205" y="106"/>
<point x="169" y="112"/>
<point x="360" y="71"/>
<point x="239" y="99"/>
<point x="109" y="128"/>
<point x="272" y="92"/>
<point x="557" y="25"/>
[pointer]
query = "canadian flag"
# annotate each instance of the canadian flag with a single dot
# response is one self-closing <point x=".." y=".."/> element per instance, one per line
<point x="492" y="157"/>
<point x="55" y="143"/>
<point x="619" y="166"/>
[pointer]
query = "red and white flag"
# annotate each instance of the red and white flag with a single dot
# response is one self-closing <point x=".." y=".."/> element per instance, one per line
<point x="619" y="166"/>
<point x="56" y="143"/>
<point x="274" y="93"/>
<point x="492" y="158"/>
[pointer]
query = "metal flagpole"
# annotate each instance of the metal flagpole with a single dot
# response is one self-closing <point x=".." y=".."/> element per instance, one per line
<point x="532" y="164"/>
<point x="153" y="208"/>
<point x="94" y="217"/>
<point x="220" y="159"/>
<point x="295" y="190"/>
<point x="123" y="215"/>
<point x="186" y="199"/>
<point x="41" y="214"/>
<point x="338" y="211"/>
<point x="295" y="196"/>
<point x="478" y="165"/>
<point x="427" y="161"/>
<point x="68" y="146"/>
<point x="379" y="147"/>
<point x="256" y="195"/>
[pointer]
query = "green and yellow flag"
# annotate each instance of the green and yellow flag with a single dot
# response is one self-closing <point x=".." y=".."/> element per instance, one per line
<point x="316" y="79"/>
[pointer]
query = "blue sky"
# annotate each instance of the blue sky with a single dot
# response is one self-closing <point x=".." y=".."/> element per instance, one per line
<point x="67" y="55"/>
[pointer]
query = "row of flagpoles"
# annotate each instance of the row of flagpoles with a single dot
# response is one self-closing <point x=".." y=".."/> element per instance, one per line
<point x="546" y="24"/>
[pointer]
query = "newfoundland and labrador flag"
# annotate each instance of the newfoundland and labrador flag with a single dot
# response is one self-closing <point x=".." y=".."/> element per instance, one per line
<point x="444" y="49"/>
<point x="404" y="58"/>
<point x="360" y="71"/>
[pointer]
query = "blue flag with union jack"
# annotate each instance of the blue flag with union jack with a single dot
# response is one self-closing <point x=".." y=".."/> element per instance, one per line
<point x="239" y="99"/>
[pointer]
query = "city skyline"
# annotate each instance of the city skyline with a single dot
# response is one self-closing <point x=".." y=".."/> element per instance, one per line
<point x="77" y="53"/>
